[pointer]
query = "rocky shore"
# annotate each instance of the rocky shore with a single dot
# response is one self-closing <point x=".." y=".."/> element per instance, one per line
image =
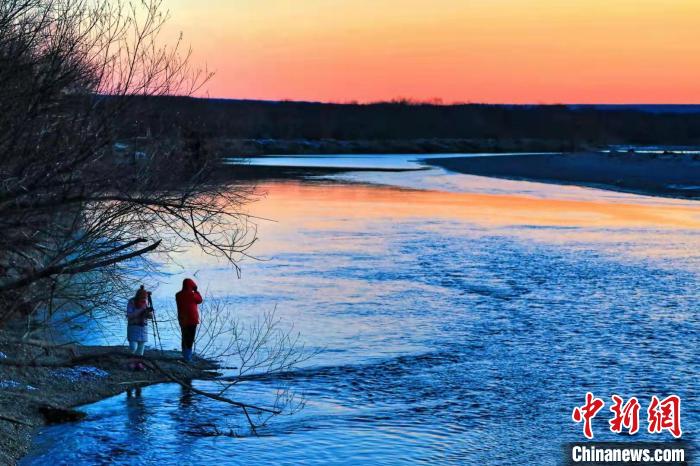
<point x="41" y="383"/>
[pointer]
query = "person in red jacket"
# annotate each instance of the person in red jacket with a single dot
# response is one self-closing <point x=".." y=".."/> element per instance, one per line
<point x="188" y="300"/>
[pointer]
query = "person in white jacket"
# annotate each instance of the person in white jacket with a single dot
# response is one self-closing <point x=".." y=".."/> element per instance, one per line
<point x="137" y="313"/>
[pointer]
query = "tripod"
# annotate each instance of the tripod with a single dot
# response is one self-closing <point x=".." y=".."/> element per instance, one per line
<point x="156" y="332"/>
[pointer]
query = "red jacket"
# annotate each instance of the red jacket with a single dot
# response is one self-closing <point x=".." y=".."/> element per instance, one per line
<point x="187" y="301"/>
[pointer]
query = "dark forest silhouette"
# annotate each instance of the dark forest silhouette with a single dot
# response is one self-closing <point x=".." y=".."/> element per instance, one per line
<point x="562" y="126"/>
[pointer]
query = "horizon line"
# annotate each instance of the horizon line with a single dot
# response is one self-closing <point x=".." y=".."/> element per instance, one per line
<point x="437" y="102"/>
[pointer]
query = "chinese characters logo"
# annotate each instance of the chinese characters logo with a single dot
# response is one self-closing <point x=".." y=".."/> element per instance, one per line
<point x="662" y="415"/>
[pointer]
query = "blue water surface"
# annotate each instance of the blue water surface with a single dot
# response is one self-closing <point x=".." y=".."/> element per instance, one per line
<point x="444" y="340"/>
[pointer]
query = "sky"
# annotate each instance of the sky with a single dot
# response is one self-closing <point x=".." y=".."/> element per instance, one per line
<point x="493" y="51"/>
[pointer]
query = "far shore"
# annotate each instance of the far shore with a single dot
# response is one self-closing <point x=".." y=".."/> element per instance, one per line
<point x="228" y="147"/>
<point x="246" y="172"/>
<point x="668" y="175"/>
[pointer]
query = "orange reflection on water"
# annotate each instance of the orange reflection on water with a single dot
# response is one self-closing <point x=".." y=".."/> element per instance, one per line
<point x="310" y="205"/>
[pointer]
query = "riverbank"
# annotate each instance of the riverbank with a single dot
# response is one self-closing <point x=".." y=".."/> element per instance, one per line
<point x="230" y="147"/>
<point x="671" y="175"/>
<point x="42" y="384"/>
<point x="244" y="172"/>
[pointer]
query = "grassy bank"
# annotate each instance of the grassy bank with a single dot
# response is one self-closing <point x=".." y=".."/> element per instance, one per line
<point x="41" y="384"/>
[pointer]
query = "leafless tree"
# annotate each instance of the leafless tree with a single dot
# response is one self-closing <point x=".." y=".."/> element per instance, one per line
<point x="90" y="198"/>
<point x="262" y="349"/>
<point x="81" y="204"/>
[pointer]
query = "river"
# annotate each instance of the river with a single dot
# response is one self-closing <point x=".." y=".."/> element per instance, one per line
<point x="460" y="319"/>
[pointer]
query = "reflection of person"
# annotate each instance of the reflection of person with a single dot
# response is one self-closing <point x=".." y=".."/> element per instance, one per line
<point x="133" y="392"/>
<point x="137" y="314"/>
<point x="188" y="300"/>
<point x="186" y="394"/>
<point x="137" y="423"/>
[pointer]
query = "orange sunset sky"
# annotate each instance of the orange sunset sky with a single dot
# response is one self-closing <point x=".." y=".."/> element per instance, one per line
<point x="496" y="51"/>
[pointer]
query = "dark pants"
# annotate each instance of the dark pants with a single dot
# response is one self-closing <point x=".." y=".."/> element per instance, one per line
<point x="188" y="333"/>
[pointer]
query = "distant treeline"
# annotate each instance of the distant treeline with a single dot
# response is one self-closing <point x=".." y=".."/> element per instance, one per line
<point x="574" y="125"/>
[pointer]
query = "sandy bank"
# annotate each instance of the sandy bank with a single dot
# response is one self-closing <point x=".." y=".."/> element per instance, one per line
<point x="675" y="175"/>
<point x="39" y="384"/>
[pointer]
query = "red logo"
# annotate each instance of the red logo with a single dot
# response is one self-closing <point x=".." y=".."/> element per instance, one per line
<point x="587" y="412"/>
<point x="662" y="415"/>
<point x="665" y="415"/>
<point x="626" y="416"/>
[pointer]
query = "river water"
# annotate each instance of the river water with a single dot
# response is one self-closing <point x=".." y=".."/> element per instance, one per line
<point x="460" y="320"/>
